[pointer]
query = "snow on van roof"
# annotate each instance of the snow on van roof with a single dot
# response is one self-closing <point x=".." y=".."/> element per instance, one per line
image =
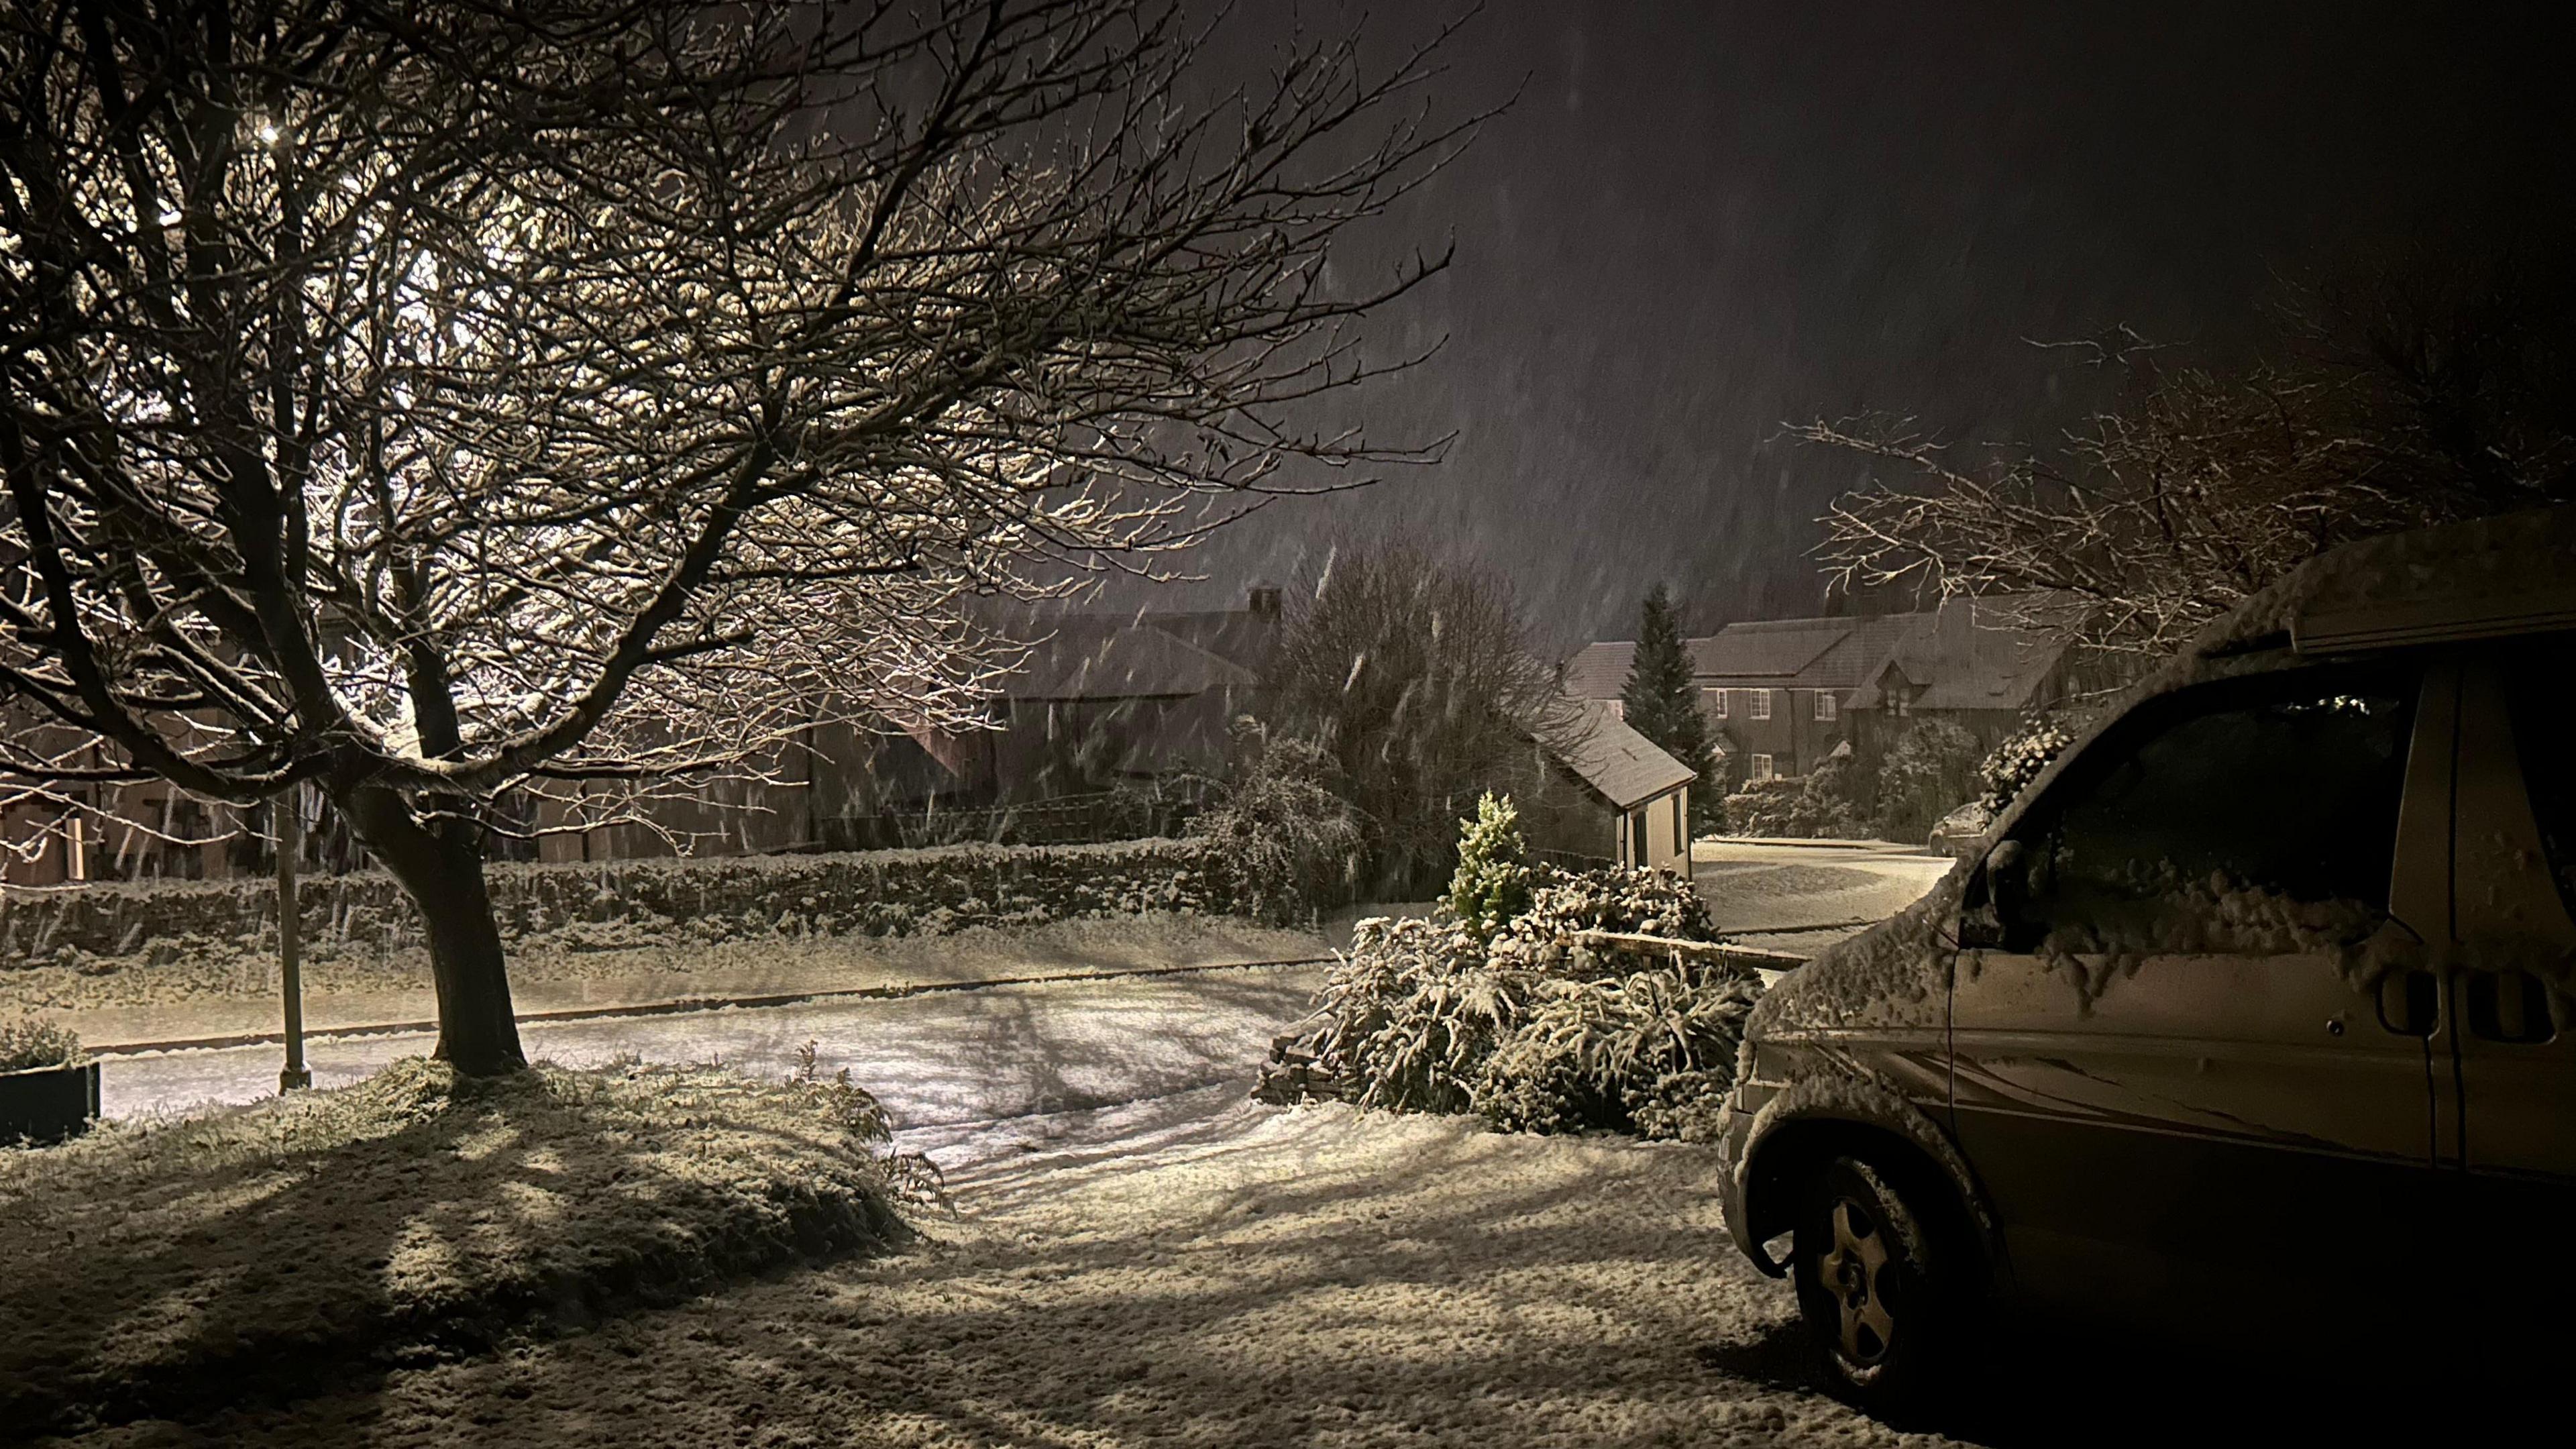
<point x="2511" y="573"/>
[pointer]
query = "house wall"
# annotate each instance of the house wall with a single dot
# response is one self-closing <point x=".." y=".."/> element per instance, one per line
<point x="1793" y="737"/>
<point x="1664" y="823"/>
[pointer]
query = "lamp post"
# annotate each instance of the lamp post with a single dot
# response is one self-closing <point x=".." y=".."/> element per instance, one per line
<point x="290" y="845"/>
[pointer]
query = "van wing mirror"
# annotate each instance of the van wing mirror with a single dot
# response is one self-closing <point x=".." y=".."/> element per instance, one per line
<point x="1995" y="888"/>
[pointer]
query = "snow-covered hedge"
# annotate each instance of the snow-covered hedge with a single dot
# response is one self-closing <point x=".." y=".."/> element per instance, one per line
<point x="639" y="902"/>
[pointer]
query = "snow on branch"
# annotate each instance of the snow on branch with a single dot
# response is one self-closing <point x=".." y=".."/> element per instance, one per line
<point x="592" y="393"/>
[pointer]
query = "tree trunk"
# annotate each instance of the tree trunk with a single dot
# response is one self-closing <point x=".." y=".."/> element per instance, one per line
<point x="439" y="862"/>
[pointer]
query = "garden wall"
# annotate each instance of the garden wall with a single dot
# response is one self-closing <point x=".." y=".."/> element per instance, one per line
<point x="638" y="902"/>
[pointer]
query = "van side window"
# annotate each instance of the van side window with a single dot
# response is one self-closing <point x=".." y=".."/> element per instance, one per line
<point x="2541" y="693"/>
<point x="2285" y="784"/>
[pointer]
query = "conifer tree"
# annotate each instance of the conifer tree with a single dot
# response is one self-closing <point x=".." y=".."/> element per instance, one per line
<point x="1661" y="703"/>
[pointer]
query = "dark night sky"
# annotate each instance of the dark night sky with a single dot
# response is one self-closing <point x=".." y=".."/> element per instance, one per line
<point x="1701" y="221"/>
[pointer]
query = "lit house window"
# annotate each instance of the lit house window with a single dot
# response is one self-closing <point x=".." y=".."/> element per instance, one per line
<point x="1825" y="707"/>
<point x="1760" y="767"/>
<point x="1761" y="704"/>
<point x="1716" y="701"/>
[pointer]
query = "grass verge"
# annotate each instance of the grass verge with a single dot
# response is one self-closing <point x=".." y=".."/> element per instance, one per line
<point x="309" y="1242"/>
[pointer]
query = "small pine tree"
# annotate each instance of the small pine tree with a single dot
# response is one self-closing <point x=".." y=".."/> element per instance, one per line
<point x="1663" y="705"/>
<point x="1492" y="884"/>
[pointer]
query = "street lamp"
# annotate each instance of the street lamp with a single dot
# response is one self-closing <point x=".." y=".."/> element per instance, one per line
<point x="290" y="845"/>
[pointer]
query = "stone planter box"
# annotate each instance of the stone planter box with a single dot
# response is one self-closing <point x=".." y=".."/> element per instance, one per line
<point x="46" y="1105"/>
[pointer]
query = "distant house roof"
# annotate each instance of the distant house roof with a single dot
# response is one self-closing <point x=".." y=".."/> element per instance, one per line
<point x="1107" y="656"/>
<point x="1600" y="671"/>
<point x="1835" y="654"/>
<point x="1773" y="649"/>
<point x="1243" y="637"/>
<point x="1968" y="654"/>
<point x="1621" y="765"/>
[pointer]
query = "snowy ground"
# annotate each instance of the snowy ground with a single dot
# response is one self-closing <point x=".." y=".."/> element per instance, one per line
<point x="1200" y="1270"/>
<point x="1189" y="1270"/>
<point x="1140" y="1256"/>
<point x="1803" y="898"/>
<point x="941" y="1058"/>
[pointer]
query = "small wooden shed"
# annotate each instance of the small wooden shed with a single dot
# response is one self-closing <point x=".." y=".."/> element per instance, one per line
<point x="1611" y="795"/>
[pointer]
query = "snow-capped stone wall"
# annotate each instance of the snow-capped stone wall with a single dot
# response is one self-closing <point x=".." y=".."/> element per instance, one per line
<point x="638" y="902"/>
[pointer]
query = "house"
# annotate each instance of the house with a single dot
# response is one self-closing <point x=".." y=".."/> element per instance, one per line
<point x="1781" y="694"/>
<point x="1969" y="662"/>
<point x="1609" y="795"/>
<point x="139" y="830"/>
<point x="1774" y="690"/>
<point x="1108" y="722"/>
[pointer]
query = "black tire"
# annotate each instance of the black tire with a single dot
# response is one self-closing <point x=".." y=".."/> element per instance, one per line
<point x="1882" y="1299"/>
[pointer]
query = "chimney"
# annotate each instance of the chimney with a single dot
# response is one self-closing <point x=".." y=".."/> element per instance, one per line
<point x="1263" y="600"/>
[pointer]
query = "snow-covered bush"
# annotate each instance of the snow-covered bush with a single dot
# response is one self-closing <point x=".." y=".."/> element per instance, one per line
<point x="1822" y="804"/>
<point x="1764" y="807"/>
<point x="1591" y="1053"/>
<point x="1828" y="804"/>
<point x="1930" y="771"/>
<point x="1565" y="903"/>
<point x="1531" y="1030"/>
<point x="1283" y="836"/>
<point x="2017" y="761"/>
<point x="1409" y="1014"/>
<point x="31" y="1042"/>
<point x="1492" y="882"/>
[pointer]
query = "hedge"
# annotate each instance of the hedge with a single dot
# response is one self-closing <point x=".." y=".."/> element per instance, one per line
<point x="874" y="893"/>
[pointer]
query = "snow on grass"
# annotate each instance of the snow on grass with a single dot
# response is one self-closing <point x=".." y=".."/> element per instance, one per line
<point x="1189" y="1271"/>
<point x="267" y="1251"/>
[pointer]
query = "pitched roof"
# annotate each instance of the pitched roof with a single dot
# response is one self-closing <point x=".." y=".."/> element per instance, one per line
<point x="1621" y="765"/>
<point x="1239" y="636"/>
<point x="1833" y="654"/>
<point x="1110" y="656"/>
<point x="1600" y="671"/>
<point x="1770" y="649"/>
<point x="1967" y="654"/>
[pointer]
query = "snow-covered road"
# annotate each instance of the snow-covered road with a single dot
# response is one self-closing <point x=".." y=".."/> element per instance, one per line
<point x="940" y="1061"/>
<point x="945" y="1059"/>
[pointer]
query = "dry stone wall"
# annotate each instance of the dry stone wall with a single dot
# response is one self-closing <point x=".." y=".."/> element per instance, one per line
<point x="640" y="902"/>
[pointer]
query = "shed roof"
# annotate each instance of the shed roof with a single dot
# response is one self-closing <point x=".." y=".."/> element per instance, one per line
<point x="1621" y="765"/>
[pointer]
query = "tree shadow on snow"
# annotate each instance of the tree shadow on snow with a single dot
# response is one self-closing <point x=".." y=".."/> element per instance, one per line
<point x="255" y="1257"/>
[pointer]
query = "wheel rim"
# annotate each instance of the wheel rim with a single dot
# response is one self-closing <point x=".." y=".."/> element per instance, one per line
<point x="1858" y="1272"/>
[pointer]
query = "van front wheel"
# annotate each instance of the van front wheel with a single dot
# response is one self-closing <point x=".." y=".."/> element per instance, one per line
<point x="1873" y="1287"/>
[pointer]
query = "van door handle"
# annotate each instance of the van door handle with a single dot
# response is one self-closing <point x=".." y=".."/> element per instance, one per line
<point x="2410" y="1002"/>
<point x="2509" y="1006"/>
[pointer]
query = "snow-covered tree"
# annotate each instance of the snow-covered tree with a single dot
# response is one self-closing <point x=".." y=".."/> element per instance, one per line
<point x="1660" y="701"/>
<point x="2430" y="386"/>
<point x="1492" y="882"/>
<point x="1416" y="671"/>
<point x="432" y="402"/>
